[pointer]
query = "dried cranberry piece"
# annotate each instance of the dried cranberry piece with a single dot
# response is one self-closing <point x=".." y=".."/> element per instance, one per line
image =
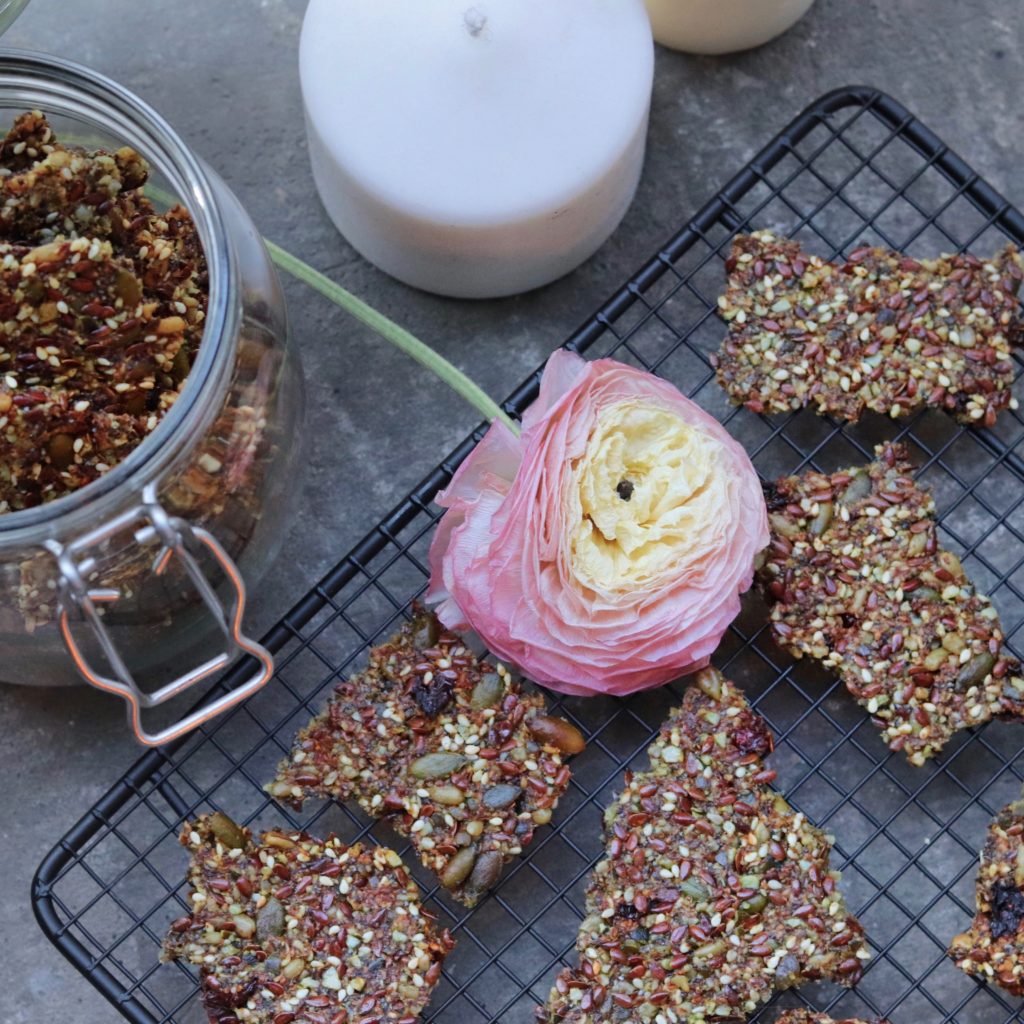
<point x="773" y="497"/>
<point x="1007" y="909"/>
<point x="218" y="1000"/>
<point x="752" y="735"/>
<point x="432" y="697"/>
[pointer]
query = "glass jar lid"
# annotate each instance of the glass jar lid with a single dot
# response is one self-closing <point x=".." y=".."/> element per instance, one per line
<point x="9" y="10"/>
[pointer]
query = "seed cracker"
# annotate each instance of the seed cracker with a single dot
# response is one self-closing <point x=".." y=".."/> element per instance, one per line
<point x="879" y="331"/>
<point x="713" y="893"/>
<point x="858" y="582"/>
<point x="301" y="929"/>
<point x="993" y="948"/>
<point x="445" y="747"/>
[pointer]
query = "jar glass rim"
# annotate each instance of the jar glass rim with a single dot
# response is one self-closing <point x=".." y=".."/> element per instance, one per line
<point x="30" y="80"/>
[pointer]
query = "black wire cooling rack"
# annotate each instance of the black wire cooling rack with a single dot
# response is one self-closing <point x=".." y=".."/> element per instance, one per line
<point x="854" y="166"/>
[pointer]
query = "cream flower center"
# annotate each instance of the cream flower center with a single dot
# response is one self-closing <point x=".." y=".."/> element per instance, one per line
<point x="643" y="498"/>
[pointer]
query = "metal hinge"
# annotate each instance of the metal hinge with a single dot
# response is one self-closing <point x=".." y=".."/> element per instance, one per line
<point x="150" y="522"/>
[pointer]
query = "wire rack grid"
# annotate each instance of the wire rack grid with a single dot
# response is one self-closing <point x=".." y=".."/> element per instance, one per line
<point x="854" y="166"/>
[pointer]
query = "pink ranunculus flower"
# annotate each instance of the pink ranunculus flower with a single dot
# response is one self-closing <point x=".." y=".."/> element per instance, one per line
<point x="605" y="549"/>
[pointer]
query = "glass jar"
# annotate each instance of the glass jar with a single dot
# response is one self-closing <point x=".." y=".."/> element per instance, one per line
<point x="138" y="576"/>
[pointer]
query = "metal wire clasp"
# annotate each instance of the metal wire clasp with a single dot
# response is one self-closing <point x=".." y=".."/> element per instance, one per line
<point x="176" y="537"/>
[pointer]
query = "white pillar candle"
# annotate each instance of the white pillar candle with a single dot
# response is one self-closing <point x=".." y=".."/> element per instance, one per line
<point x="476" y="148"/>
<point x="722" y="26"/>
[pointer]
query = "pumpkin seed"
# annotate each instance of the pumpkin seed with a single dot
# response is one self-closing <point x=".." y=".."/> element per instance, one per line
<point x="449" y="796"/>
<point x="711" y="949"/>
<point x="784" y="526"/>
<point x="974" y="671"/>
<point x="859" y="487"/>
<point x="426" y="630"/>
<point x="695" y="889"/>
<point x="458" y="869"/>
<point x="294" y="969"/>
<point x="710" y="681"/>
<point x="918" y="542"/>
<point x="485" y="875"/>
<point x="951" y="563"/>
<point x="487" y="692"/>
<point x="788" y="967"/>
<point x="754" y="905"/>
<point x="127" y="288"/>
<point x="953" y="642"/>
<point x="226" y="832"/>
<point x="270" y="920"/>
<point x="180" y="367"/>
<point x="497" y="798"/>
<point x="279" y="841"/>
<point x="436" y="766"/>
<point x="823" y="520"/>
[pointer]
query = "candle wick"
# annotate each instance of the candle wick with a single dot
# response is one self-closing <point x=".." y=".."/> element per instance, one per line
<point x="475" y="21"/>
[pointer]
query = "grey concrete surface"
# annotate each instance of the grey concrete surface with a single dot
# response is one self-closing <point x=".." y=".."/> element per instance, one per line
<point x="224" y="74"/>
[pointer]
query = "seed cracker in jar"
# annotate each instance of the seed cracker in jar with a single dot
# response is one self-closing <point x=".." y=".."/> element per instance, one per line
<point x="102" y="300"/>
<point x="878" y="331"/>
<point x="444" y="747"/>
<point x="294" y="928"/>
<point x="713" y="893"/>
<point x="857" y="581"/>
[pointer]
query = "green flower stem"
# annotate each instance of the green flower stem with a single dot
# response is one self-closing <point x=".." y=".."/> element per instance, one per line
<point x="390" y="331"/>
